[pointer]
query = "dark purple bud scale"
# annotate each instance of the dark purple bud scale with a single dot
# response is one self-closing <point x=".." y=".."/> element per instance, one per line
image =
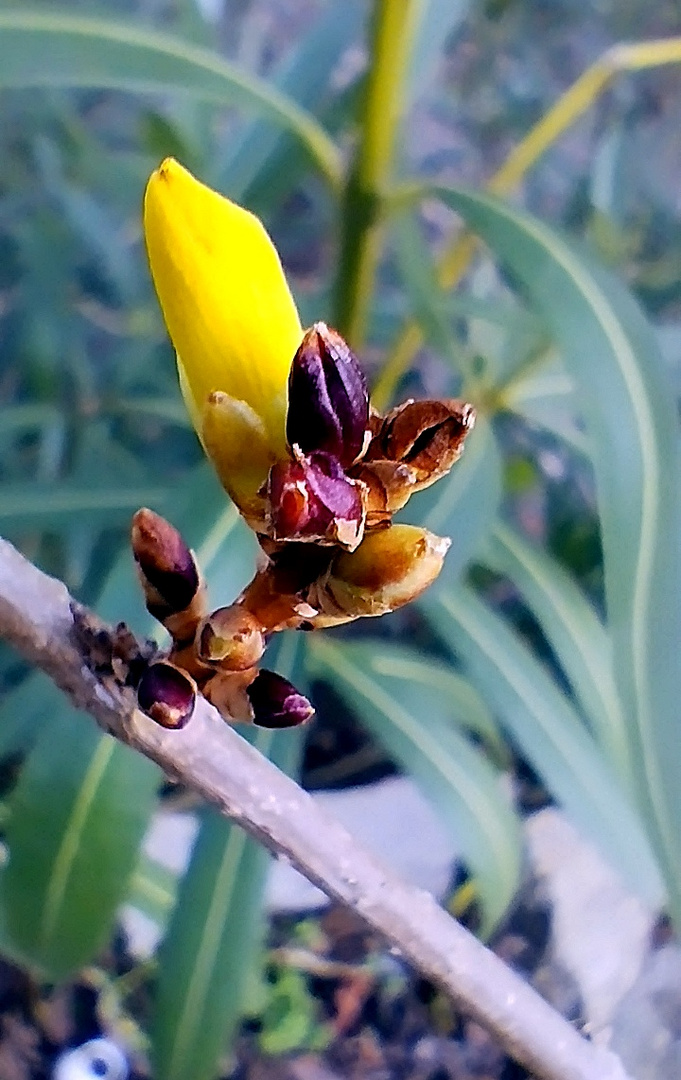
<point x="328" y="405"/>
<point x="276" y="702"/>
<point x="165" y="562"/>
<point x="167" y="695"/>
<point x="177" y="588"/>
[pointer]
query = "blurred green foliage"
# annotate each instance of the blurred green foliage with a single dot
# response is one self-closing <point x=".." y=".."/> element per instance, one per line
<point x="564" y="511"/>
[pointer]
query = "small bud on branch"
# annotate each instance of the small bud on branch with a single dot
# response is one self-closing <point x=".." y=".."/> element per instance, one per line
<point x="167" y="694"/>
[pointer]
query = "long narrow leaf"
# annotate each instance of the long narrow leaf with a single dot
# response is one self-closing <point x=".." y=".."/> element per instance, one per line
<point x="214" y="934"/>
<point x="414" y="724"/>
<point x="546" y="398"/>
<point x="78" y="815"/>
<point x="80" y="809"/>
<point x="152" y="890"/>
<point x="439" y="21"/>
<point x="260" y="149"/>
<point x="548" y="731"/>
<point x="210" y="942"/>
<point x="24" y="711"/>
<point x="42" y="506"/>
<point x="60" y="48"/>
<point x="629" y="406"/>
<point x="574" y="631"/>
<point x="419" y="276"/>
<point x="458" y="701"/>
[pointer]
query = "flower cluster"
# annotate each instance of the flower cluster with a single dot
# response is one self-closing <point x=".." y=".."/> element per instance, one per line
<point x="285" y="417"/>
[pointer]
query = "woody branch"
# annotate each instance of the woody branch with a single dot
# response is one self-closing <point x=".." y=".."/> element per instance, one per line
<point x="36" y="617"/>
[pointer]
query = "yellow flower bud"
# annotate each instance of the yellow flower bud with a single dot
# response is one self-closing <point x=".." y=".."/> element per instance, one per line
<point x="231" y="318"/>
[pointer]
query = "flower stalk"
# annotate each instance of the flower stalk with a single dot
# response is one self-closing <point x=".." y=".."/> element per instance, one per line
<point x="394" y="27"/>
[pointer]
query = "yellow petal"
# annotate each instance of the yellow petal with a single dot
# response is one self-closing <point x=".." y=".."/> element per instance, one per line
<point x="235" y="440"/>
<point x="224" y="297"/>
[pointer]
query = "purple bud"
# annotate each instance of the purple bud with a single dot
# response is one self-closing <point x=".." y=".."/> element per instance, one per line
<point x="328" y="403"/>
<point x="167" y="694"/>
<point x="165" y="562"/>
<point x="312" y="499"/>
<point x="276" y="703"/>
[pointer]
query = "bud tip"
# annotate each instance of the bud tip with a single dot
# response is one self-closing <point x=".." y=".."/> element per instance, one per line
<point x="276" y="702"/>
<point x="231" y="637"/>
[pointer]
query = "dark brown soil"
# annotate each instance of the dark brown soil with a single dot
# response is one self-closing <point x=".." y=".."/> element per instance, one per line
<point x="340" y="1007"/>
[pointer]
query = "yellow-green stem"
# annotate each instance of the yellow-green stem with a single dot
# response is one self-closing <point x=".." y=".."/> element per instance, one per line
<point x="394" y="23"/>
<point x="572" y="104"/>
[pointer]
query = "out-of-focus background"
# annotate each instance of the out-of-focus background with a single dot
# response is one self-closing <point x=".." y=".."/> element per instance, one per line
<point x="498" y="739"/>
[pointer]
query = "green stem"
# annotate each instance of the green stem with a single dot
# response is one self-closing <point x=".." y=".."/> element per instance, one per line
<point x="394" y="24"/>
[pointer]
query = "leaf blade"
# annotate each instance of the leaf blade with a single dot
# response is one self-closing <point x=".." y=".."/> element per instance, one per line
<point x="453" y="775"/>
<point x="92" y="774"/>
<point x="573" y="629"/>
<point x="69" y="868"/>
<point x="613" y="357"/>
<point x="60" y="48"/>
<point x="214" y="932"/>
<point x="551" y="736"/>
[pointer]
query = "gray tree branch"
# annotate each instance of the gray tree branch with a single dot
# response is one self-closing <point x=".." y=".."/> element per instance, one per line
<point x="211" y="758"/>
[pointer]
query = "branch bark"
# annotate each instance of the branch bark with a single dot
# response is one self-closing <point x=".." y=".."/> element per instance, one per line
<point x="211" y="758"/>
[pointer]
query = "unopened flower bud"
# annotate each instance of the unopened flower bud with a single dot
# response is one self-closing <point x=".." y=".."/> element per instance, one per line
<point x="231" y="637"/>
<point x="226" y="304"/>
<point x="167" y="568"/>
<point x="276" y="703"/>
<point x="428" y="436"/>
<point x="390" y="568"/>
<point x="328" y="403"/>
<point x="311" y="499"/>
<point x="167" y="694"/>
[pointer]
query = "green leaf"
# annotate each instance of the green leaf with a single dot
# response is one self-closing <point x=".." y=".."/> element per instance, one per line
<point x="211" y="940"/>
<point x="16" y="419"/>
<point x="414" y="723"/>
<point x="436" y="26"/>
<point x="260" y="153"/>
<point x="546" y="398"/>
<point x="548" y="731"/>
<point x="63" y="49"/>
<point x="612" y="354"/>
<point x="214" y="935"/>
<point x="419" y="276"/>
<point x="67" y="504"/>
<point x="575" y="633"/>
<point x="152" y="890"/>
<point x="24" y="711"/>
<point x="290" y="1019"/>
<point x="78" y="815"/>
<point x="94" y="795"/>
<point x="457" y="699"/>
<point x="169" y="409"/>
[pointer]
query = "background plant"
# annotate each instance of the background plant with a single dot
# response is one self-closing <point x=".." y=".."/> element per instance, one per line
<point x="516" y="642"/>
